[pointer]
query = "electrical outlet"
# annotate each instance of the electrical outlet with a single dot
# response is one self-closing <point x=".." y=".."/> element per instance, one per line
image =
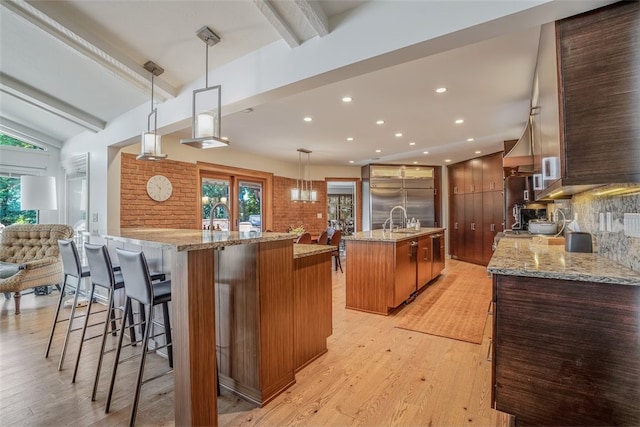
<point x="319" y="215"/>
<point x="632" y="224"/>
<point x="601" y="225"/>
<point x="94" y="217"/>
<point x="609" y="221"/>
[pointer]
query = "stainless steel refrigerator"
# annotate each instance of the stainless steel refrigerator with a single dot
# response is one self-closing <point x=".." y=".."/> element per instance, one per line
<point x="417" y="196"/>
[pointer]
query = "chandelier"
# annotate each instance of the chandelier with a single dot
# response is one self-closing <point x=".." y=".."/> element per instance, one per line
<point x="304" y="192"/>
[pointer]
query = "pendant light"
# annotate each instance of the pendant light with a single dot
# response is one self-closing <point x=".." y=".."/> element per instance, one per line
<point x="150" y="142"/>
<point x="304" y="192"/>
<point x="206" y="106"/>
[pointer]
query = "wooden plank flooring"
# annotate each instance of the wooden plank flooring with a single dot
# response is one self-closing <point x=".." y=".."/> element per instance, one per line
<point x="373" y="374"/>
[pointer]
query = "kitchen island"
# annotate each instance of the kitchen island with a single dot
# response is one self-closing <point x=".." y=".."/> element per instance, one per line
<point x="385" y="269"/>
<point x="249" y="270"/>
<point x="566" y="334"/>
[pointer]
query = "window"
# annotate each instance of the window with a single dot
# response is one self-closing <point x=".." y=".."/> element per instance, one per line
<point x="10" y="212"/>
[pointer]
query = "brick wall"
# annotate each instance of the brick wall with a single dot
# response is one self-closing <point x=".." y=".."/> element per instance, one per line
<point x="137" y="209"/>
<point x="181" y="210"/>
<point x="293" y="214"/>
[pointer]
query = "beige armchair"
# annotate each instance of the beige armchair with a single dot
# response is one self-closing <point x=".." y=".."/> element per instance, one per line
<point x="30" y="257"/>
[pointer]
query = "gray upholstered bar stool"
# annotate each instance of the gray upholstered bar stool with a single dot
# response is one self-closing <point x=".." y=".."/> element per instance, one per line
<point x="138" y="287"/>
<point x="104" y="276"/>
<point x="72" y="267"/>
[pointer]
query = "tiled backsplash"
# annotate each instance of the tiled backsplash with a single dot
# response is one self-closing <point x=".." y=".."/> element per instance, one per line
<point x="612" y="244"/>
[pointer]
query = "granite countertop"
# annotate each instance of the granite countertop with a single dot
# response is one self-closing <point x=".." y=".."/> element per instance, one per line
<point x="386" y="236"/>
<point x="523" y="257"/>
<point x="301" y="250"/>
<point x="189" y="240"/>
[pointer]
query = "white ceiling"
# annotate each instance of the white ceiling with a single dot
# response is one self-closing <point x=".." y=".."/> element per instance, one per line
<point x="69" y="67"/>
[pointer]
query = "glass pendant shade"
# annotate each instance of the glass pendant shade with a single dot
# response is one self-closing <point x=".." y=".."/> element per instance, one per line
<point x="206" y="105"/>
<point x="303" y="192"/>
<point x="150" y="145"/>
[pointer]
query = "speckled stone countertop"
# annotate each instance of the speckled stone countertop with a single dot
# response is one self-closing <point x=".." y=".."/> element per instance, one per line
<point x="386" y="236"/>
<point x="190" y="240"/>
<point x="301" y="250"/>
<point x="522" y="257"/>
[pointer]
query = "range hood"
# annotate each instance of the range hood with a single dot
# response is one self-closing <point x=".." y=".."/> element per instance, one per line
<point x="520" y="157"/>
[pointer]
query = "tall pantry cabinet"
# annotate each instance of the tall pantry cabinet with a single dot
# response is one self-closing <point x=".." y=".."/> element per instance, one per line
<point x="476" y="207"/>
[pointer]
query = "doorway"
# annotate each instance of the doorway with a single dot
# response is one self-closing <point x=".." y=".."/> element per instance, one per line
<point x="342" y="206"/>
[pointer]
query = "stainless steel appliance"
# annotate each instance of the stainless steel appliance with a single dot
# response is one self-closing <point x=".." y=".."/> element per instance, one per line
<point x="417" y="196"/>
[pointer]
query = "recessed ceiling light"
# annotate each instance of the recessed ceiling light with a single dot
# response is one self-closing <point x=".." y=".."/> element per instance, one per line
<point x="351" y="161"/>
<point x="478" y="152"/>
<point x="412" y="143"/>
<point x="398" y="134"/>
<point x="441" y="90"/>
<point x="350" y="138"/>
<point x="380" y="122"/>
<point x="425" y="152"/>
<point x="447" y="160"/>
<point x="378" y="151"/>
<point x="415" y="163"/>
<point x="226" y="138"/>
<point x="459" y="121"/>
<point x="346" y="99"/>
<point x="308" y="119"/>
<point x="469" y="139"/>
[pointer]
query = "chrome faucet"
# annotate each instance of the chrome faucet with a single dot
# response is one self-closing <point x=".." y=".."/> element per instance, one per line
<point x="404" y="220"/>
<point x="213" y="209"/>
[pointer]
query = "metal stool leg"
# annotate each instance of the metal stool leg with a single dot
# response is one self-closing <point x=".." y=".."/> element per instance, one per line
<point x="69" y="326"/>
<point x="143" y="358"/>
<point x="111" y="316"/>
<point x="84" y="332"/>
<point x="127" y="309"/>
<point x="55" y="317"/>
<point x="167" y="332"/>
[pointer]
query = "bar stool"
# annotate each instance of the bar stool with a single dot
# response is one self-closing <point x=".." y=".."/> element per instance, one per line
<point x="138" y="287"/>
<point x="71" y="267"/>
<point x="102" y="275"/>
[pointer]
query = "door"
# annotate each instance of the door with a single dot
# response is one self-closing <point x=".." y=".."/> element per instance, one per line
<point x="216" y="204"/>
<point x="249" y="205"/>
<point x="420" y="204"/>
<point x="382" y="200"/>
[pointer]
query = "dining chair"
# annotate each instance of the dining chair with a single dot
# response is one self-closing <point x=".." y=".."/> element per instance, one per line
<point x="304" y="238"/>
<point x="336" y="237"/>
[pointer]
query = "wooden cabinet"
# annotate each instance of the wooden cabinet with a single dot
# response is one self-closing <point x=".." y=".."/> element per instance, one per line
<point x="476" y="215"/>
<point x="424" y="261"/>
<point x="405" y="278"/>
<point x="492" y="221"/>
<point x="456" y="178"/>
<point x="382" y="274"/>
<point x="312" y="307"/>
<point x="566" y="352"/>
<point x="586" y="130"/>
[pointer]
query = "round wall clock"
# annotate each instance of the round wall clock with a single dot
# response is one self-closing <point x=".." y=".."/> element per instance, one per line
<point x="159" y="188"/>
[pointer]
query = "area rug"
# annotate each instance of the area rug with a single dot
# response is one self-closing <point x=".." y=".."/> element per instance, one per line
<point x="454" y="307"/>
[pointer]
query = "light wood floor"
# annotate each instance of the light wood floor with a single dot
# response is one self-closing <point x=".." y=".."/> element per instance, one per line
<point x="373" y="374"/>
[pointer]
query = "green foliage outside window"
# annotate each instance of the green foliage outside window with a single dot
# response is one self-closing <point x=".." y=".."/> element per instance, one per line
<point x="12" y="142"/>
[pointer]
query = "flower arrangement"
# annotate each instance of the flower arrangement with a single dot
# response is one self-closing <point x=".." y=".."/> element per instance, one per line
<point x="297" y="230"/>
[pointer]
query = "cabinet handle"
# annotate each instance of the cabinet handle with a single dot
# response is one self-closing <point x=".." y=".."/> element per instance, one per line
<point x="455" y="190"/>
<point x="473" y="226"/>
<point x="526" y="195"/>
<point x="493" y="227"/>
<point x="426" y="254"/>
<point x="455" y="226"/>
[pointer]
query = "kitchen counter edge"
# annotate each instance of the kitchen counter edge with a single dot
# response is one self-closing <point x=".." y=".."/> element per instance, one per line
<point x="386" y="236"/>
<point x="189" y="240"/>
<point x="523" y="257"/>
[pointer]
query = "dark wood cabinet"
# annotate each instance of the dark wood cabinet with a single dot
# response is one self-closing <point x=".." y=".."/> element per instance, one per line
<point x="586" y="130"/>
<point x="425" y="258"/>
<point x="477" y="213"/>
<point x="492" y="221"/>
<point x="566" y="352"/>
